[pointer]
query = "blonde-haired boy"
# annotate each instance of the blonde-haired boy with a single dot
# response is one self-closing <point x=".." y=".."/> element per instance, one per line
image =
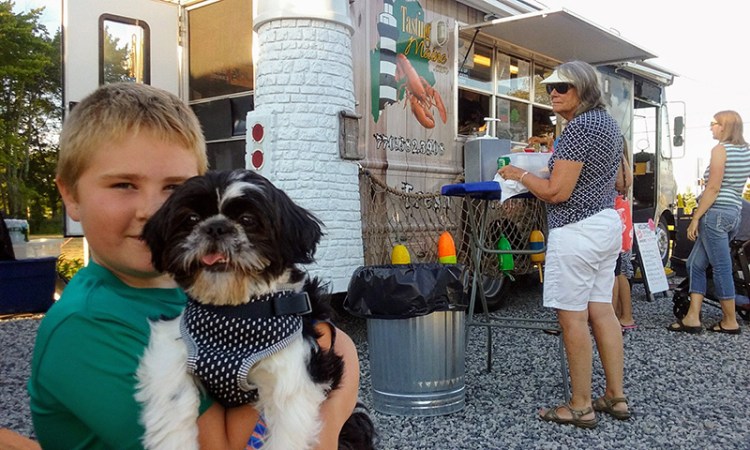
<point x="123" y="150"/>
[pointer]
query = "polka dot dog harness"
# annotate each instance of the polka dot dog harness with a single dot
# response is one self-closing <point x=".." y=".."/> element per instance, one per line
<point x="225" y="342"/>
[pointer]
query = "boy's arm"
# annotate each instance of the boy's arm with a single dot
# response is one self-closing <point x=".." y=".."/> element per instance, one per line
<point x="220" y="428"/>
<point x="84" y="385"/>
<point x="10" y="440"/>
<point x="232" y="428"/>
<point x="340" y="403"/>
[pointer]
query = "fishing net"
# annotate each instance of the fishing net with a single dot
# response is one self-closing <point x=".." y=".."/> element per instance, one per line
<point x="416" y="220"/>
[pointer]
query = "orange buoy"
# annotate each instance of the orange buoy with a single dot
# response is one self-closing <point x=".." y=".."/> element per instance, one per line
<point x="446" y="249"/>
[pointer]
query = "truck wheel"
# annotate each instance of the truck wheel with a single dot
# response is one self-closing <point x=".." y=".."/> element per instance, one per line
<point x="662" y="240"/>
<point x="498" y="289"/>
<point x="495" y="290"/>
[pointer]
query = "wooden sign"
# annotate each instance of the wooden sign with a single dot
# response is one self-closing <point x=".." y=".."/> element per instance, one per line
<point x="648" y="252"/>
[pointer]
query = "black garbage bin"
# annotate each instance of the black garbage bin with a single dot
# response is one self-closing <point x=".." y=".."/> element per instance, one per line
<point x="415" y="335"/>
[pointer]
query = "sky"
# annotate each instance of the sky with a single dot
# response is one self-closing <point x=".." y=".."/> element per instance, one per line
<point x="51" y="17"/>
<point x="706" y="45"/>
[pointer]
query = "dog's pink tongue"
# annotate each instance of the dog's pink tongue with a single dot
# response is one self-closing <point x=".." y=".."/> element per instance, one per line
<point x="212" y="259"/>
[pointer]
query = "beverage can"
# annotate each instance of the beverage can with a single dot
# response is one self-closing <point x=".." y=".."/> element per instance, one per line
<point x="503" y="161"/>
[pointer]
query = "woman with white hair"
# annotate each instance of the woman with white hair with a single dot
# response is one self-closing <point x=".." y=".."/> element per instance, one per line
<point x="585" y="235"/>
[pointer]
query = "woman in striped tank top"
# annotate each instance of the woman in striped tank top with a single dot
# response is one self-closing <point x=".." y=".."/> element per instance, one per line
<point x="714" y="224"/>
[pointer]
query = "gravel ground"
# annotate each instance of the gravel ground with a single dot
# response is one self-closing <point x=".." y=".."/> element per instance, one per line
<point x="686" y="391"/>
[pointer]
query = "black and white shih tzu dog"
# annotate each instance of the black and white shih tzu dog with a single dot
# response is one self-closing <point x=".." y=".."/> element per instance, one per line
<point x="232" y="241"/>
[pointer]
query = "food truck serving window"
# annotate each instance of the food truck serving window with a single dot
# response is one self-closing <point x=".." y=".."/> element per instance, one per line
<point x="476" y="65"/>
<point x="513" y="76"/>
<point x="509" y="89"/>
<point x="473" y="107"/>
<point x="540" y="93"/>
<point x="514" y="120"/>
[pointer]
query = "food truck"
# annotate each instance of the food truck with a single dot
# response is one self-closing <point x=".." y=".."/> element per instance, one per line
<point x="427" y="77"/>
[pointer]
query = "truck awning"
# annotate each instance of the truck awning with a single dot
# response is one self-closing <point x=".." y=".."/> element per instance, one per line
<point x="562" y="35"/>
<point x="649" y="71"/>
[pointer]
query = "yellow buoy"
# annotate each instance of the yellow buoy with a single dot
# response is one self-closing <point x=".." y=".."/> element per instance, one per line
<point x="536" y="242"/>
<point x="400" y="255"/>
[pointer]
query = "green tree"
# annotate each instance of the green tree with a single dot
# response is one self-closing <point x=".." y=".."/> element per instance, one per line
<point x="30" y="114"/>
<point x="116" y="59"/>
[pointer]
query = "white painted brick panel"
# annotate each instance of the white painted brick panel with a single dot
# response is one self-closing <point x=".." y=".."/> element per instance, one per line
<point x="304" y="78"/>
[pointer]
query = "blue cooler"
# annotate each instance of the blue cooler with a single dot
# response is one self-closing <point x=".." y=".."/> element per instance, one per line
<point x="27" y="285"/>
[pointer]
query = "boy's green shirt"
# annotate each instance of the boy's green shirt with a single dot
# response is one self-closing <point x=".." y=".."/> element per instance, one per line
<point x="86" y="355"/>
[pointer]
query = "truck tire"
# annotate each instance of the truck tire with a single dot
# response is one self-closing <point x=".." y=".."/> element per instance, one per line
<point x="495" y="290"/>
<point x="662" y="240"/>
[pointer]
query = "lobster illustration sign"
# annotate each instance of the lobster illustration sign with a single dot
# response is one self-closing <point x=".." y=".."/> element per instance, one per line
<point x="409" y="60"/>
<point x="422" y="97"/>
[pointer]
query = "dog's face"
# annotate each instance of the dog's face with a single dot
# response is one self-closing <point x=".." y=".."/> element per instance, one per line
<point x="228" y="236"/>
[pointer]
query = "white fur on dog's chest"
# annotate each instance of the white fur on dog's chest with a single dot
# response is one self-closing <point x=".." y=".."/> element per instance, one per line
<point x="168" y="393"/>
<point x="288" y="398"/>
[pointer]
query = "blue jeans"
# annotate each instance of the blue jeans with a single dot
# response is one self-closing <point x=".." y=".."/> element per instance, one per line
<point x="716" y="229"/>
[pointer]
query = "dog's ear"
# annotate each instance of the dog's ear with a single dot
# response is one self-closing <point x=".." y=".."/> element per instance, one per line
<point x="301" y="230"/>
<point x="297" y="228"/>
<point x="160" y="227"/>
<point x="154" y="234"/>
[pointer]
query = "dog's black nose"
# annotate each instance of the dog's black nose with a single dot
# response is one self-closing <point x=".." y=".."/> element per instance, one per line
<point x="217" y="229"/>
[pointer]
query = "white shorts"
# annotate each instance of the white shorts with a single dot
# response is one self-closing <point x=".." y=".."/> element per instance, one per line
<point x="580" y="262"/>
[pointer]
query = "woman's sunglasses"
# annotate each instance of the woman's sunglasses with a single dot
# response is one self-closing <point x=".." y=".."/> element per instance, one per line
<point x="561" y="88"/>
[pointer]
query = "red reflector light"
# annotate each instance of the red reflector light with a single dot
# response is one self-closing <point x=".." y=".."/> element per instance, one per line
<point x="256" y="159"/>
<point x="257" y="132"/>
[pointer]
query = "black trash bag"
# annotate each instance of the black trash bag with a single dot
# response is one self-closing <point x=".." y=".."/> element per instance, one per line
<point x="401" y="291"/>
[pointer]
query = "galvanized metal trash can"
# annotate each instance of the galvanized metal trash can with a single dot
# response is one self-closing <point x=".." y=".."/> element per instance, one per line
<point x="417" y="365"/>
<point x="415" y="336"/>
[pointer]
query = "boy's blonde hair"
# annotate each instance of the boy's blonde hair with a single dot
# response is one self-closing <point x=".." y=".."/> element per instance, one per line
<point x="118" y="110"/>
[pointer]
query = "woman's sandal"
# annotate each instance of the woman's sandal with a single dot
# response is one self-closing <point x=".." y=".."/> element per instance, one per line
<point x="576" y="416"/>
<point x="607" y="405"/>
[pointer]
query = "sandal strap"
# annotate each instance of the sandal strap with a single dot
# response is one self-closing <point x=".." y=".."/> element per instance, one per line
<point x="578" y="413"/>
<point x="575" y="419"/>
<point x="614" y="400"/>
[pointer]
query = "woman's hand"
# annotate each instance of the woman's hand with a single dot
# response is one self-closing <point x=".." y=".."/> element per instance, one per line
<point x="510" y="173"/>
<point x="692" y="231"/>
<point x="711" y="191"/>
<point x="556" y="189"/>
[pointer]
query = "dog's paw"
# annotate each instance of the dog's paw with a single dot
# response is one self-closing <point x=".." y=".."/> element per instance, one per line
<point x="358" y="432"/>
